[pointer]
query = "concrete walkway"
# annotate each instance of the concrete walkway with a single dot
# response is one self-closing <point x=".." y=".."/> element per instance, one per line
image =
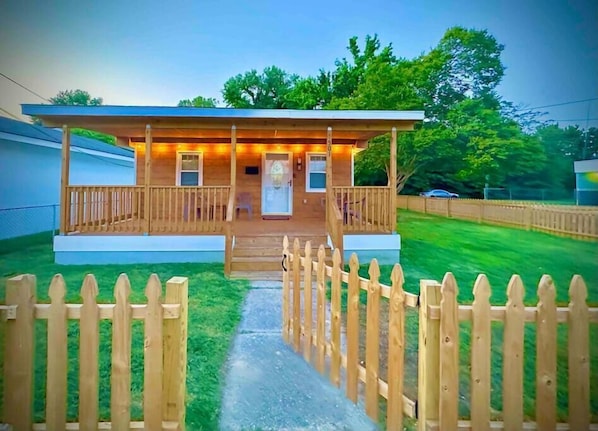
<point x="270" y="387"/>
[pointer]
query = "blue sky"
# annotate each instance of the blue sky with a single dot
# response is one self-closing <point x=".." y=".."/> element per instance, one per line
<point x="156" y="53"/>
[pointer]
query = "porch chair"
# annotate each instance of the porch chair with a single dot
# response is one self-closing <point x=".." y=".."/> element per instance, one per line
<point x="353" y="210"/>
<point x="244" y="203"/>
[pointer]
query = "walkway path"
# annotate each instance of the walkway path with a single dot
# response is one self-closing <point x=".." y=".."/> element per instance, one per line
<point x="270" y="387"/>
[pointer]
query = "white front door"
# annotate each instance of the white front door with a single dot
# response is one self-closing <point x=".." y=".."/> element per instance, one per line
<point x="277" y="184"/>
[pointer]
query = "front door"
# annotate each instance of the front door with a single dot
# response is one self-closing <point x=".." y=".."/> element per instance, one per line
<point x="277" y="184"/>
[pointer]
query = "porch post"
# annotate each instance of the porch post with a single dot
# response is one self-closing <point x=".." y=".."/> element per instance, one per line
<point x="233" y="160"/>
<point x="148" y="178"/>
<point x="328" y="168"/>
<point x="64" y="180"/>
<point x="392" y="179"/>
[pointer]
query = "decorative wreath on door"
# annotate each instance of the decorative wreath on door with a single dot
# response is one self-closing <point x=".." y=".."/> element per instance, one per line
<point x="276" y="173"/>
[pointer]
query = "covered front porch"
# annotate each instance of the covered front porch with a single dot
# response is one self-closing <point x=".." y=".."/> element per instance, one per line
<point x="232" y="153"/>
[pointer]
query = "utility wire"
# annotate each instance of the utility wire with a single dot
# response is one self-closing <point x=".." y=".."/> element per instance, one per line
<point x="12" y="115"/>
<point x="558" y="104"/>
<point x="25" y="88"/>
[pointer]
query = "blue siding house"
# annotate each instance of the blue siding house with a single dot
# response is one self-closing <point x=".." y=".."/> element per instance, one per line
<point x="30" y="167"/>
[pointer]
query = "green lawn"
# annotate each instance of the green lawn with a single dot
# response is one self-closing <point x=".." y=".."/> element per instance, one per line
<point x="214" y="312"/>
<point x="433" y="245"/>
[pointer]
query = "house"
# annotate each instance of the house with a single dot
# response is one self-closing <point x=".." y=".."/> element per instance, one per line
<point x="30" y="169"/>
<point x="586" y="182"/>
<point x="224" y="185"/>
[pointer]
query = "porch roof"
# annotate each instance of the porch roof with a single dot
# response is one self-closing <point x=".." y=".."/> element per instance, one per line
<point x="187" y="124"/>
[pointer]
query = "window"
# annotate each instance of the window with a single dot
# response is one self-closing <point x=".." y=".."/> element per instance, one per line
<point x="189" y="169"/>
<point x="315" y="174"/>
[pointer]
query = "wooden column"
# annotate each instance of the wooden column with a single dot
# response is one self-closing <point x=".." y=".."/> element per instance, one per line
<point x="148" y="178"/>
<point x="328" y="169"/>
<point x="233" y="160"/>
<point x="64" y="180"/>
<point x="392" y="180"/>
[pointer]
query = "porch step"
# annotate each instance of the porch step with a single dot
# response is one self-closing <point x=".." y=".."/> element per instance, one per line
<point x="275" y="241"/>
<point x="257" y="275"/>
<point x="259" y="257"/>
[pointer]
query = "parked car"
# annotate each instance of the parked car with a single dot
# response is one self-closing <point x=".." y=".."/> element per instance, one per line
<point x="438" y="193"/>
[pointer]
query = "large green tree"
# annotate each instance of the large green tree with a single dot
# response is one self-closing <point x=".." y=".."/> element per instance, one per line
<point x="268" y="89"/>
<point x="198" y="102"/>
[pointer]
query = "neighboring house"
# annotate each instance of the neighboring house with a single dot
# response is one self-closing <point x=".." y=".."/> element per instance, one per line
<point x="30" y="172"/>
<point x="586" y="182"/>
<point x="285" y="171"/>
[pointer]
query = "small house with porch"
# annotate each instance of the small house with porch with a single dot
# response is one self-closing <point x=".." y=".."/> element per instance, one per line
<point x="224" y="185"/>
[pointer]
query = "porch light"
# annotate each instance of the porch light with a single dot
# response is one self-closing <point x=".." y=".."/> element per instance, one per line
<point x="299" y="163"/>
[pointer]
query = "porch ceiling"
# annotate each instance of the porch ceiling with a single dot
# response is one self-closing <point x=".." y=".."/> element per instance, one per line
<point x="170" y="124"/>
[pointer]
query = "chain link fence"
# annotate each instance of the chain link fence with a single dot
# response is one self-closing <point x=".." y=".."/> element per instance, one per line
<point x="531" y="194"/>
<point x="40" y="221"/>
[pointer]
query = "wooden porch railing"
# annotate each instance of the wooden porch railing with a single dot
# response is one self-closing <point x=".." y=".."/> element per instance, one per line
<point x="104" y="209"/>
<point x="366" y="209"/>
<point x="229" y="235"/>
<point x="172" y="209"/>
<point x="188" y="209"/>
<point x="334" y="223"/>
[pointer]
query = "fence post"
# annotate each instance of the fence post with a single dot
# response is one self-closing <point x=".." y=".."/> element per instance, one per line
<point x="175" y="354"/>
<point x="449" y="354"/>
<point x="428" y="389"/>
<point x="19" y="353"/>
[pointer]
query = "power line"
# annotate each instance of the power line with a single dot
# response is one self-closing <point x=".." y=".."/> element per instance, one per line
<point x="25" y="88"/>
<point x="12" y="115"/>
<point x="578" y="119"/>
<point x="558" y="104"/>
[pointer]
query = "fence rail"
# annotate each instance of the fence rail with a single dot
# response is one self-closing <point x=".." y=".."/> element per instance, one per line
<point x="312" y="321"/>
<point x="567" y="220"/>
<point x="165" y="354"/>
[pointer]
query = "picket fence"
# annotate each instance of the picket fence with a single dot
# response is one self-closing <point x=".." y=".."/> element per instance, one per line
<point x="567" y="220"/>
<point x="165" y="354"/>
<point x="330" y="346"/>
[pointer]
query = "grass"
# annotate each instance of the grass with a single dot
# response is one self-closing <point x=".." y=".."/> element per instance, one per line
<point x="214" y="312"/>
<point x="432" y="246"/>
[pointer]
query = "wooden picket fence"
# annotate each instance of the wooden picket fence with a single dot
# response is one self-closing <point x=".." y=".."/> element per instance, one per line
<point x="319" y="344"/>
<point x="566" y="220"/>
<point x="331" y="347"/>
<point x="165" y="354"/>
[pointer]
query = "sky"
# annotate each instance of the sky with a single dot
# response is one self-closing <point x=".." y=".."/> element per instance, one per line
<point x="156" y="52"/>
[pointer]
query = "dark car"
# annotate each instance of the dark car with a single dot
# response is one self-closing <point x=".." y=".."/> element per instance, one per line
<point x="437" y="193"/>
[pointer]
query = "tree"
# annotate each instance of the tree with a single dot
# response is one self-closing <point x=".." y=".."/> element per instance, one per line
<point x="76" y="98"/>
<point x="80" y="98"/>
<point x="465" y="64"/>
<point x="254" y="90"/>
<point x="199" y="102"/>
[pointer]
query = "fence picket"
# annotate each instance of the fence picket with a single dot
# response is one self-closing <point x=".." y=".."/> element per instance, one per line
<point x="120" y="379"/>
<point x="513" y="338"/>
<point x="20" y="353"/>
<point x="286" y="322"/>
<point x="449" y="354"/>
<point x="321" y="312"/>
<point x="372" y="348"/>
<point x="307" y="302"/>
<point x="89" y="355"/>
<point x="153" y="355"/>
<point x="296" y="295"/>
<point x="335" y="318"/>
<point x="353" y="329"/>
<point x="546" y="356"/>
<point x="175" y="353"/>
<point x="57" y="357"/>
<point x="480" y="356"/>
<point x="396" y="350"/>
<point x="579" y="359"/>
